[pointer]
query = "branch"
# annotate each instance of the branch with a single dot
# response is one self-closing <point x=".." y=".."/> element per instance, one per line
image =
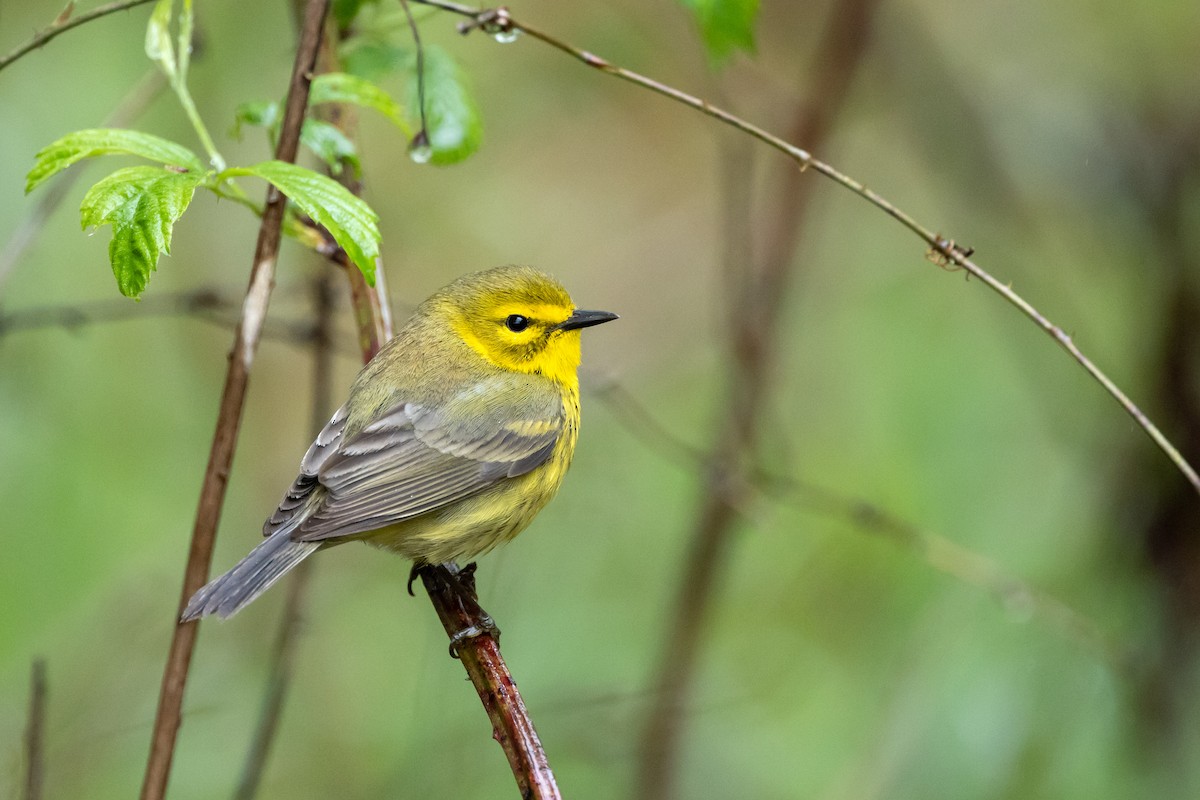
<point x="279" y="673"/>
<point x="216" y="476"/>
<point x="943" y="251"/>
<point x="62" y="25"/>
<point x="35" y="777"/>
<point x="512" y="727"/>
<point x="206" y="305"/>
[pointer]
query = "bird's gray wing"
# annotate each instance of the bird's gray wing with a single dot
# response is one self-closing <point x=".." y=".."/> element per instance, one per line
<point x="302" y="493"/>
<point x="413" y="459"/>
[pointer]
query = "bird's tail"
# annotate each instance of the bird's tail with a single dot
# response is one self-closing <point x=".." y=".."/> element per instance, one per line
<point x="250" y="577"/>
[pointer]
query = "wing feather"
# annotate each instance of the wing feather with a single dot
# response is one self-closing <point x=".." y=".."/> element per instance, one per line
<point x="413" y="459"/>
<point x="301" y="494"/>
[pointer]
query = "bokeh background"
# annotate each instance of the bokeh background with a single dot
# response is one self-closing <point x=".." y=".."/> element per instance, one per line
<point x="1058" y="140"/>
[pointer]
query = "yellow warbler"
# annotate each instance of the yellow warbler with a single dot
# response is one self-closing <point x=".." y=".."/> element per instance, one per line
<point x="453" y="438"/>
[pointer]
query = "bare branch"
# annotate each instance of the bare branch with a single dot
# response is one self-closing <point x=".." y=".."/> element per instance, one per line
<point x="61" y="25"/>
<point x="942" y="250"/>
<point x="216" y="476"/>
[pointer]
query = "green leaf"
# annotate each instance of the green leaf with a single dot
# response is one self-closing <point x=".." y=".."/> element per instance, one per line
<point x="261" y="114"/>
<point x="344" y="11"/>
<point x="372" y="58"/>
<point x="142" y="205"/>
<point x="331" y="145"/>
<point x="341" y="87"/>
<point x="158" y="37"/>
<point x="725" y="25"/>
<point x="351" y="222"/>
<point x="454" y="126"/>
<point x="59" y="155"/>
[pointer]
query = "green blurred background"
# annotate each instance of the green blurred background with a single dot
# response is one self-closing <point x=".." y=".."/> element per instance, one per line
<point x="1060" y="141"/>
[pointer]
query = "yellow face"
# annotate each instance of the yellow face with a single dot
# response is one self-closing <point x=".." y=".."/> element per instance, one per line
<point x="523" y="337"/>
<point x="521" y="320"/>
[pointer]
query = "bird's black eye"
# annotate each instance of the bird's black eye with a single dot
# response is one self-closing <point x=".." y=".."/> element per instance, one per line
<point x="516" y="323"/>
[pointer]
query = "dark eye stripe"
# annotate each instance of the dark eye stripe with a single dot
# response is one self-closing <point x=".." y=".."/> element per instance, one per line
<point x="516" y="323"/>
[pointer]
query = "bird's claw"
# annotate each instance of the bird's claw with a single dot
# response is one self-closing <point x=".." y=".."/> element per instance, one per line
<point x="484" y="626"/>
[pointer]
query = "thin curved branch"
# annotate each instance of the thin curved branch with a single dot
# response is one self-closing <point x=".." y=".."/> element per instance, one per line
<point x="216" y="475"/>
<point x="35" y="732"/>
<point x="61" y="25"/>
<point x="942" y="250"/>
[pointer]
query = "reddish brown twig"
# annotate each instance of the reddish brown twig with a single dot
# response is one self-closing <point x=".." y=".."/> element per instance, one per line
<point x="480" y="656"/>
<point x="216" y="475"/>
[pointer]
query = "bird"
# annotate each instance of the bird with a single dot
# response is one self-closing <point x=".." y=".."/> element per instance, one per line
<point x="452" y="438"/>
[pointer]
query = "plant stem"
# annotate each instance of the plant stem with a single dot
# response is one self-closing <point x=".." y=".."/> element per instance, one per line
<point x="216" y="476"/>
<point x="215" y="159"/>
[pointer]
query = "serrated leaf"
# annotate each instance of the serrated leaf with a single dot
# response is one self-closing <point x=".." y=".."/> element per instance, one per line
<point x="454" y="126"/>
<point x="725" y="25"/>
<point x="341" y="87"/>
<point x="141" y="204"/>
<point x="262" y="114"/>
<point x="351" y="222"/>
<point x="59" y="155"/>
<point x="158" y="37"/>
<point x="331" y="145"/>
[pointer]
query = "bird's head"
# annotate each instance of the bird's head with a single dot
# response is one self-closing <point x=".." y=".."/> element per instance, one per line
<point x="518" y="319"/>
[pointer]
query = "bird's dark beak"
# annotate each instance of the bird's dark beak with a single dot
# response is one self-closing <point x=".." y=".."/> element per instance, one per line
<point x="585" y="319"/>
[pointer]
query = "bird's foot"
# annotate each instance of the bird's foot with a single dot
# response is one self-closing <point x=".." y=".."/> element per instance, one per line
<point x="484" y="626"/>
<point x="459" y="583"/>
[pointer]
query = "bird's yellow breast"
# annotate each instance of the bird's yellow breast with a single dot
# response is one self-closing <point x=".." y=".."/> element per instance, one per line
<point x="476" y="524"/>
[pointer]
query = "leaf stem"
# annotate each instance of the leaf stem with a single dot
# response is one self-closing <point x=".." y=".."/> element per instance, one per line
<point x="189" y="107"/>
<point x="228" y="190"/>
